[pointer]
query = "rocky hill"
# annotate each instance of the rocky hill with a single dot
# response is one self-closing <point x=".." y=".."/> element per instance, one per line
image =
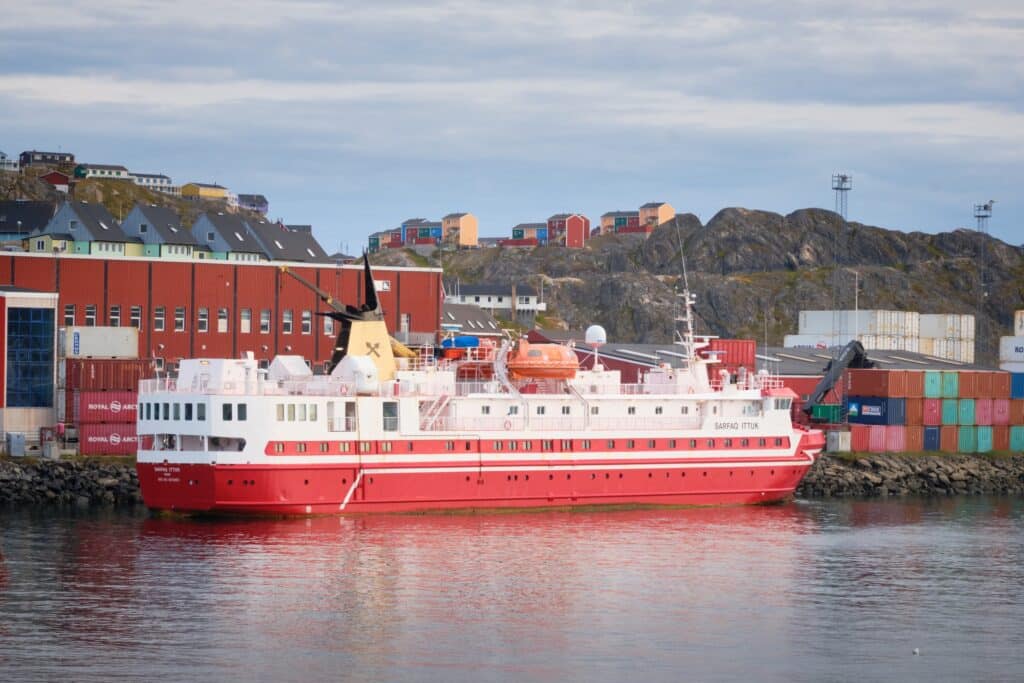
<point x="753" y="271"/>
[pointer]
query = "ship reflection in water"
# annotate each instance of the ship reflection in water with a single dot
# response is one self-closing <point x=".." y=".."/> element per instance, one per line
<point x="804" y="591"/>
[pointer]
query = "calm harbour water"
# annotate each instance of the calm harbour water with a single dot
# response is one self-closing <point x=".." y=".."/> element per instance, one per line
<point x="806" y="591"/>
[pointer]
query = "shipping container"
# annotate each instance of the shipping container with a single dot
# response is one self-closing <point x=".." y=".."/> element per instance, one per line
<point x="1017" y="439"/>
<point x="880" y="383"/>
<point x="1011" y="349"/>
<point x="1018" y="323"/>
<point x="813" y="341"/>
<point x="983" y="384"/>
<point x="876" y="439"/>
<point x="732" y="352"/>
<point x="915" y="439"/>
<point x="107" y="439"/>
<point x="949" y="439"/>
<point x="915" y="411"/>
<point x="92" y="374"/>
<point x="950" y="384"/>
<point x="1000" y="384"/>
<point x="950" y="411"/>
<point x="983" y="435"/>
<point x="983" y="411"/>
<point x="98" y="342"/>
<point x="1000" y="411"/>
<point x="859" y="438"/>
<point x="1016" y="411"/>
<point x="967" y="439"/>
<point x="965" y="412"/>
<point x="968" y="384"/>
<point x="932" y="384"/>
<point x="931" y="438"/>
<point x="827" y="413"/>
<point x="1017" y="385"/>
<point x="1001" y="438"/>
<point x="946" y="326"/>
<point x="915" y="383"/>
<point x="895" y="439"/>
<point x="873" y="410"/>
<point x="105" y="406"/>
<point x="931" y="414"/>
<point x="838" y="441"/>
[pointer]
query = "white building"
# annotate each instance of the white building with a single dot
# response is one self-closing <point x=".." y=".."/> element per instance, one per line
<point x="517" y="301"/>
<point x="8" y="164"/>
<point x="157" y="182"/>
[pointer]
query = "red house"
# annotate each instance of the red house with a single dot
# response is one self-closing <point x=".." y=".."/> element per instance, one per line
<point x="570" y="229"/>
<point x="58" y="180"/>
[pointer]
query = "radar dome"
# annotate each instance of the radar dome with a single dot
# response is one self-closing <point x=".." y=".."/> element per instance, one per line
<point x="595" y="334"/>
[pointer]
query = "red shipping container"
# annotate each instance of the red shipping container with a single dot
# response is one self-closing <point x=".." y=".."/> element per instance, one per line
<point x="915" y="440"/>
<point x="732" y="352"/>
<point x="859" y="436"/>
<point x="1001" y="438"/>
<point x="1016" y="411"/>
<point x="1000" y="411"/>
<point x="106" y="406"/>
<point x="949" y="439"/>
<point x="108" y="439"/>
<point x="983" y="385"/>
<point x="895" y="439"/>
<point x="876" y="439"/>
<point x="803" y="385"/>
<point x="915" y="383"/>
<point x="93" y="374"/>
<point x="932" y="416"/>
<point x="878" y="383"/>
<point x="1000" y="385"/>
<point x="982" y="410"/>
<point x="915" y="411"/>
<point x="968" y="384"/>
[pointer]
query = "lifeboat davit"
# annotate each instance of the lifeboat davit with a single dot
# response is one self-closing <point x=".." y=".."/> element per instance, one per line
<point x="541" y="361"/>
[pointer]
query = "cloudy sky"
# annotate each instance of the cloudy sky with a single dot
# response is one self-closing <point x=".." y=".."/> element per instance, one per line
<point x="353" y="116"/>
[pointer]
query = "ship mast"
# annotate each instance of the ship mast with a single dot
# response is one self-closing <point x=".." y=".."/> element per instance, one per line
<point x="684" y="317"/>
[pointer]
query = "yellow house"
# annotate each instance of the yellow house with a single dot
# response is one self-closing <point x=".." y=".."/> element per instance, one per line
<point x="653" y="214"/>
<point x="463" y="226"/>
<point x="49" y="244"/>
<point x="204" y="191"/>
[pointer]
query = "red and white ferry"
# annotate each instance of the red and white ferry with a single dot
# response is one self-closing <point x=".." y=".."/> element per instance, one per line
<point x="385" y="434"/>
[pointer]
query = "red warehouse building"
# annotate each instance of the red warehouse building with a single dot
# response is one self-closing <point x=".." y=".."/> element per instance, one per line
<point x="570" y="229"/>
<point x="222" y="309"/>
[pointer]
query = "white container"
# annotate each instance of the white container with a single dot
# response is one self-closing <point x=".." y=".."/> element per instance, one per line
<point x="60" y="403"/>
<point x="837" y="442"/>
<point x="967" y="326"/>
<point x="1012" y="367"/>
<point x="1011" y="349"/>
<point x="98" y="342"/>
<point x="813" y="341"/>
<point x="1018" y="323"/>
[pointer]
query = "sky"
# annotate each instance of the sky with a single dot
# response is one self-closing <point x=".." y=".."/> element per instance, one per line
<point x="354" y="116"/>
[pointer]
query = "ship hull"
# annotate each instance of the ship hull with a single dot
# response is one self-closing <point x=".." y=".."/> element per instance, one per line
<point x="345" y="488"/>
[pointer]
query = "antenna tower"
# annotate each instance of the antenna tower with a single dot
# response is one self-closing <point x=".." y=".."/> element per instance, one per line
<point x="982" y="212"/>
<point x="842" y="183"/>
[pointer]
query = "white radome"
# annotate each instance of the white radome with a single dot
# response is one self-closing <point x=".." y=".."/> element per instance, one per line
<point x="595" y="334"/>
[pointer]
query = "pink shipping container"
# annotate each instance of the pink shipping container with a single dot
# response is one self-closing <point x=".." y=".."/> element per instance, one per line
<point x="1001" y="411"/>
<point x="876" y="439"/>
<point x="895" y="439"/>
<point x="983" y="410"/>
<point x="107" y="439"/>
<point x="932" y="412"/>
<point x="106" y="406"/>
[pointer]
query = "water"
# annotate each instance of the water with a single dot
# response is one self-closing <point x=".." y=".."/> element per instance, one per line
<point x="805" y="591"/>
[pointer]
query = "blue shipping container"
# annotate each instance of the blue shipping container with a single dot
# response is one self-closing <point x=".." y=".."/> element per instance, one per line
<point x="1017" y="385"/>
<point x="870" y="410"/>
<point x="932" y="438"/>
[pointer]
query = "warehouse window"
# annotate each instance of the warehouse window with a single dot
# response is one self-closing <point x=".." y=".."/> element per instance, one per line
<point x="245" y="324"/>
<point x="286" y="322"/>
<point x="158" y="319"/>
<point x="179" y="319"/>
<point x="90" y="315"/>
<point x="202" y="320"/>
<point x="135" y="317"/>
<point x="265" y="321"/>
<point x="328" y="327"/>
<point x="69" y="315"/>
<point x="222" y="320"/>
<point x="307" y="322"/>
<point x="30" y="333"/>
<point x="115" y="316"/>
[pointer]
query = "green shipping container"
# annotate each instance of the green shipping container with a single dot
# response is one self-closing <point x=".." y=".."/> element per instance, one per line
<point x="827" y="413"/>
<point x="984" y="439"/>
<point x="968" y="440"/>
<point x="950" y="411"/>
<point x="950" y="384"/>
<point x="1017" y="439"/>
<point x="932" y="384"/>
<point x="966" y="416"/>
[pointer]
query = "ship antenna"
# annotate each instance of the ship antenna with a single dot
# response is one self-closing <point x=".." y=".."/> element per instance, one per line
<point x="686" y="317"/>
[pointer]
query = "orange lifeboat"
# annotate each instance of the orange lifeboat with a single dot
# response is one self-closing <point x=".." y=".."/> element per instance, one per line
<point x="541" y="361"/>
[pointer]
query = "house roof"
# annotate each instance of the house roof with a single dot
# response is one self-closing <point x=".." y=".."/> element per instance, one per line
<point x="490" y="288"/>
<point x="167" y="225"/>
<point x="617" y="214"/>
<point x="212" y="186"/>
<point x="151" y="175"/>
<point x="281" y="244"/>
<point x="414" y="221"/>
<point x="252" y="199"/>
<point x="234" y="231"/>
<point x="46" y="176"/>
<point x="97" y="220"/>
<point x="38" y="151"/>
<point x="470" y="319"/>
<point x="562" y="216"/>
<point x="653" y="205"/>
<point x="105" y="167"/>
<point x="525" y="226"/>
<point x="24" y="217"/>
<point x="455" y="215"/>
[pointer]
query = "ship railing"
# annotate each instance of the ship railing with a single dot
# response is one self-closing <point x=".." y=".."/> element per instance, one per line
<point x="643" y="423"/>
<point x="467" y="388"/>
<point x="341" y="424"/>
<point x="564" y="423"/>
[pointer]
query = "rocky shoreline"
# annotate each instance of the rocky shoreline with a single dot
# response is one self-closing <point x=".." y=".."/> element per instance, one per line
<point x="87" y="483"/>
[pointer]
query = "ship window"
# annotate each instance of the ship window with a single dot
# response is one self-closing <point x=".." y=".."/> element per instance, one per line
<point x="761" y="442"/>
<point x="291" y="412"/>
<point x="693" y="443"/>
<point x="364" y="446"/>
<point x="566" y="445"/>
<point x="324" y="447"/>
<point x="312" y="412"/>
<point x="527" y="445"/>
<point x="745" y="442"/>
<point x="345" y="447"/>
<point x="302" y="412"/>
<point x="671" y="443"/>
<point x="243" y="411"/>
<point x="778" y="442"/>
<point x="685" y="410"/>
<point x="593" y="410"/>
<point x="278" y="447"/>
<point x="650" y="443"/>
<point x="547" y="445"/>
<point x="188" y="412"/>
<point x="611" y="443"/>
<point x="226" y="412"/>
<point x="449" y="445"/>
<point x="390" y="415"/>
<point x="300" y="447"/>
<point x="657" y="410"/>
<point x="497" y="445"/>
<point x="167" y="411"/>
<point x="280" y="412"/>
<point x="541" y="410"/>
<point x="714" y="410"/>
<point x="485" y="410"/>
<point x="565" y="410"/>
<point x="385" y="446"/>
<point x="630" y="443"/>
<point x="201" y="412"/>
<point x="585" y="444"/>
<point x="711" y="443"/>
<point x="512" y="445"/>
<point x="728" y="443"/>
<point x="631" y="410"/>
<point x="513" y="410"/>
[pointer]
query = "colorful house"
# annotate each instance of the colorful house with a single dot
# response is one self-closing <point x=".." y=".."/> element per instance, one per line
<point x="460" y="228"/>
<point x="84" y="228"/>
<point x="421" y="231"/>
<point x="287" y="243"/>
<point x="653" y="214"/>
<point x="36" y="158"/>
<point x="619" y="221"/>
<point x="59" y="181"/>
<point x="103" y="171"/>
<point x="18" y="219"/>
<point x="204" y="191"/>
<point x="531" y="231"/>
<point x="157" y="182"/>
<point x="569" y="229"/>
<point x="227" y="237"/>
<point x="160" y="231"/>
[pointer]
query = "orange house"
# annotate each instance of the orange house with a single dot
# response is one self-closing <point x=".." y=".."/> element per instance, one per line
<point x="653" y="214"/>
<point x="463" y="226"/>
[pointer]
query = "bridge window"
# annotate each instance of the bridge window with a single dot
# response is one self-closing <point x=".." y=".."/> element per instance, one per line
<point x="711" y="443"/>
<point x="167" y="411"/>
<point x="312" y="412"/>
<point x="301" y="408"/>
<point x="497" y="445"/>
<point x="594" y="410"/>
<point x="278" y="447"/>
<point x="631" y="410"/>
<point x="291" y="412"/>
<point x="201" y="412"/>
<point x="630" y="443"/>
<point x="449" y="445"/>
<point x="657" y="410"/>
<point x="513" y="410"/>
<point x="541" y="410"/>
<point x="243" y="412"/>
<point x="188" y="412"/>
<point x="389" y="411"/>
<point x="280" y="412"/>
<point x="693" y="443"/>
<point x="485" y="410"/>
<point x="226" y="412"/>
<point x="650" y="443"/>
<point x="565" y="410"/>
